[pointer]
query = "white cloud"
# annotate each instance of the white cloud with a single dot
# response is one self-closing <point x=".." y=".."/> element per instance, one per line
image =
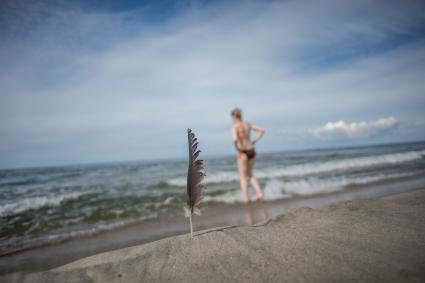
<point x="362" y="129"/>
<point x="90" y="78"/>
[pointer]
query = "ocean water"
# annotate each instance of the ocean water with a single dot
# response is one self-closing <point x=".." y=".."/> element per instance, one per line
<point x="39" y="205"/>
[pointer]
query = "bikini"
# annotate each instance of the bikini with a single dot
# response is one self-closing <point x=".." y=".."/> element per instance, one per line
<point x="250" y="153"/>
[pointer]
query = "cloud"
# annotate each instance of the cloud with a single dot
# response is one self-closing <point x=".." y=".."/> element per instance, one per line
<point x="362" y="129"/>
<point x="101" y="85"/>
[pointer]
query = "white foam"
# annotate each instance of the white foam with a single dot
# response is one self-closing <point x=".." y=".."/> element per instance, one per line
<point x="273" y="190"/>
<point x="309" y="168"/>
<point x="36" y="202"/>
<point x="229" y="197"/>
<point x="276" y="189"/>
<point x="214" y="178"/>
<point x="339" y="165"/>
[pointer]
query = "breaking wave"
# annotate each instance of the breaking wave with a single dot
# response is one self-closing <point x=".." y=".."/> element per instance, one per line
<point x="278" y="189"/>
<point x="310" y="168"/>
<point x="36" y="203"/>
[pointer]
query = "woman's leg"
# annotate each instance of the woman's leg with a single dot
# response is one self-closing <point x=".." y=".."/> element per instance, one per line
<point x="242" y="166"/>
<point x="254" y="181"/>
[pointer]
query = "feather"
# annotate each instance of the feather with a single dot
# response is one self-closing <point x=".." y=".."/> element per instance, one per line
<point x="195" y="175"/>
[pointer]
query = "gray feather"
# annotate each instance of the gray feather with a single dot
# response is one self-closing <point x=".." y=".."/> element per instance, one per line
<point x="195" y="174"/>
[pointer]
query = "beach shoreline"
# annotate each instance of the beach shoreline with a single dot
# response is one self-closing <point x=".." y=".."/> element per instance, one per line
<point x="362" y="240"/>
<point x="215" y="215"/>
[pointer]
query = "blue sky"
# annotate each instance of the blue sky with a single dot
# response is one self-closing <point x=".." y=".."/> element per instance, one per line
<point x="101" y="81"/>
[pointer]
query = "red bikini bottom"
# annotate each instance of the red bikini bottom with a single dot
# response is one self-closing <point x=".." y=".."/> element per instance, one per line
<point x="250" y="153"/>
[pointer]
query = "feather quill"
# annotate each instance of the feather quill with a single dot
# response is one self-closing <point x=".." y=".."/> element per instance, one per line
<point x="195" y="175"/>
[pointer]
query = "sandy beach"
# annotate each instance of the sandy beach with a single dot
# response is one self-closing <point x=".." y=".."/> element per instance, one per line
<point x="364" y="240"/>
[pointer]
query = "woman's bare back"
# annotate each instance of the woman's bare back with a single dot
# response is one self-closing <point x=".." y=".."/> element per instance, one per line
<point x="243" y="131"/>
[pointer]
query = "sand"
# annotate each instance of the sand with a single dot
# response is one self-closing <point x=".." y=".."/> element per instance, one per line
<point x="380" y="240"/>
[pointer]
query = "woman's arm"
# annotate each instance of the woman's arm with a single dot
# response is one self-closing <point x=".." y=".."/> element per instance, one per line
<point x="259" y="132"/>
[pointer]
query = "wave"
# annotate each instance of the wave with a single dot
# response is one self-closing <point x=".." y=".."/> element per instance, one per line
<point x="232" y="196"/>
<point x="278" y="189"/>
<point x="310" y="186"/>
<point x="100" y="227"/>
<point x="310" y="168"/>
<point x="218" y="177"/>
<point x="36" y="203"/>
<point x="344" y="164"/>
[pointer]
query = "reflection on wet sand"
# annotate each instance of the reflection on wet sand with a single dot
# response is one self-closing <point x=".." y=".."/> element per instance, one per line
<point x="254" y="213"/>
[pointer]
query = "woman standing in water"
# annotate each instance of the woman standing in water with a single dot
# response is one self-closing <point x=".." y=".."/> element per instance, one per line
<point x="246" y="153"/>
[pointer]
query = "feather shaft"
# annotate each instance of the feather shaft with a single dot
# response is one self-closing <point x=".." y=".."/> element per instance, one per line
<point x="195" y="175"/>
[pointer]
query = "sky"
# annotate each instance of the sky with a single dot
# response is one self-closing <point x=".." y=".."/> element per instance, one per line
<point x="105" y="81"/>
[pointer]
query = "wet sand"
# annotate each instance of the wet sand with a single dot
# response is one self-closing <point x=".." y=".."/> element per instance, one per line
<point x="363" y="240"/>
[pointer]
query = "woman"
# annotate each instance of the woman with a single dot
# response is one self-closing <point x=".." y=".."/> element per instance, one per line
<point x="246" y="153"/>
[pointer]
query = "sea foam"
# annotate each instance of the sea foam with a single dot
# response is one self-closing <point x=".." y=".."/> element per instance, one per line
<point x="36" y="203"/>
<point x="310" y="168"/>
<point x="280" y="189"/>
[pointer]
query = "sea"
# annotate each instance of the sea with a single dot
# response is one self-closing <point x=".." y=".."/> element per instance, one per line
<point x="41" y="205"/>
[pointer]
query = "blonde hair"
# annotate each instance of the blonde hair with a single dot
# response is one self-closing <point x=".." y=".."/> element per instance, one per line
<point x="237" y="113"/>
